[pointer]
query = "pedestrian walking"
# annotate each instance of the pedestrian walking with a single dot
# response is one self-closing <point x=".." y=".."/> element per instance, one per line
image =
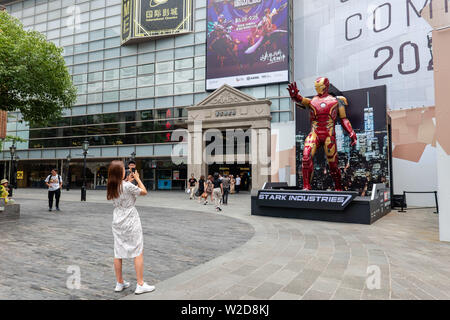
<point x="226" y="189"/>
<point x="54" y="184"/>
<point x="217" y="191"/>
<point x="209" y="189"/>
<point x="238" y="183"/>
<point x="201" y="189"/>
<point x="244" y="182"/>
<point x="192" y="185"/>
<point x="221" y="196"/>
<point x="232" y="184"/>
<point x="126" y="225"/>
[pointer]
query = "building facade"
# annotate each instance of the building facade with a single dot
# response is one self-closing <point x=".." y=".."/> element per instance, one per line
<point x="131" y="98"/>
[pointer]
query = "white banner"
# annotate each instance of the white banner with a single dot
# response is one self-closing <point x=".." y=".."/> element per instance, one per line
<point x="365" y="43"/>
<point x="248" y="80"/>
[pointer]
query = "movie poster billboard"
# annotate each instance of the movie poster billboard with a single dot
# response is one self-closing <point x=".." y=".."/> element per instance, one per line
<point x="362" y="165"/>
<point x="247" y="42"/>
<point x="155" y="18"/>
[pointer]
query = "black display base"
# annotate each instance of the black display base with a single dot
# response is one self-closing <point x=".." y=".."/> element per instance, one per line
<point x="285" y="203"/>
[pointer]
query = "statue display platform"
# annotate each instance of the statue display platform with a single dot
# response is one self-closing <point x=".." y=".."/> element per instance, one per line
<point x="280" y="200"/>
<point x="9" y="211"/>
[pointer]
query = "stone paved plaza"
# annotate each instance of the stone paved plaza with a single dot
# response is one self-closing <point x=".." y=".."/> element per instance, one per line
<point x="234" y="255"/>
<point x="38" y="248"/>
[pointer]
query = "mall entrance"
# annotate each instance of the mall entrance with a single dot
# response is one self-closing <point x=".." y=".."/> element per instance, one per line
<point x="228" y="109"/>
<point x="243" y="170"/>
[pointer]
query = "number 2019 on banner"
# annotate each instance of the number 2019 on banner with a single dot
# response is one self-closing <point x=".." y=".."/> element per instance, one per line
<point x="403" y="50"/>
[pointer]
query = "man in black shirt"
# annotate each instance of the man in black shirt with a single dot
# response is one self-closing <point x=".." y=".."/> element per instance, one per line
<point x="201" y="188"/>
<point x="192" y="182"/>
<point x="226" y="189"/>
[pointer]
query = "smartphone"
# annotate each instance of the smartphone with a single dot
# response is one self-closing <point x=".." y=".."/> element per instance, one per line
<point x="133" y="170"/>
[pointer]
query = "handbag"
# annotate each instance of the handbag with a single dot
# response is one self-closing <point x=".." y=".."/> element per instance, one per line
<point x="188" y="191"/>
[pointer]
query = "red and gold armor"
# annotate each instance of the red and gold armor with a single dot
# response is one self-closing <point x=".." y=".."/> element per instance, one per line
<point x="324" y="110"/>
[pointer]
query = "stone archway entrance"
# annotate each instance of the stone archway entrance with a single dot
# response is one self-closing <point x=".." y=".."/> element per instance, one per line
<point x="224" y="113"/>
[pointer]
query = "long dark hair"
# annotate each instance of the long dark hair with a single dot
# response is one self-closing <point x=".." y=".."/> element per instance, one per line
<point x="115" y="178"/>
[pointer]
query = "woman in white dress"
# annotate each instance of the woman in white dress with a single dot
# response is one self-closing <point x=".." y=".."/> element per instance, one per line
<point x="126" y="225"/>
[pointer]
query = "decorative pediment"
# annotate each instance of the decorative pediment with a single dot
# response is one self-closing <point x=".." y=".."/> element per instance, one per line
<point x="226" y="95"/>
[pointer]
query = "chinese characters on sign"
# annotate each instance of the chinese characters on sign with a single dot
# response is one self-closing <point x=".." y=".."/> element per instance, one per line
<point x="126" y="19"/>
<point x="155" y="18"/>
<point x="164" y="14"/>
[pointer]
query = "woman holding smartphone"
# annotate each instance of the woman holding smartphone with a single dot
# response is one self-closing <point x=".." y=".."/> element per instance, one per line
<point x="126" y="225"/>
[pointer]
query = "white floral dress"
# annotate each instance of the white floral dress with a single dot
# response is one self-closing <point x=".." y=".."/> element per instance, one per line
<point x="126" y="225"/>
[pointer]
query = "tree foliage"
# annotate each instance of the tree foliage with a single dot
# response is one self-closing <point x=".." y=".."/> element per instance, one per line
<point x="34" y="78"/>
<point x="13" y="139"/>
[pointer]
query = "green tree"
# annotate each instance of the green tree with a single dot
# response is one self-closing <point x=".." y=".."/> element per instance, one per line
<point x="34" y="78"/>
<point x="9" y="138"/>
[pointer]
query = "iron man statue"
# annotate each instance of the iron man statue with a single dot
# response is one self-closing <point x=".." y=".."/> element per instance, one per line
<point x="324" y="109"/>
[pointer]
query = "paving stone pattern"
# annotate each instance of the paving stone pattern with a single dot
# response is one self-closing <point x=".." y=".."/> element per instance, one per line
<point x="283" y="259"/>
<point x="37" y="249"/>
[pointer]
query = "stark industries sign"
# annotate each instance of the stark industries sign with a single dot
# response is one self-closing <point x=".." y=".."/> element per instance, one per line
<point x="322" y="200"/>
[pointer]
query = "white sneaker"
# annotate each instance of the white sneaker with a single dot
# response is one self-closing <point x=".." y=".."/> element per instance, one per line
<point x="144" y="288"/>
<point x="121" y="286"/>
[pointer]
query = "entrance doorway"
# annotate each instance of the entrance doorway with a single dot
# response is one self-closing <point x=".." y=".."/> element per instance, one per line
<point x="229" y="109"/>
<point x="244" y="170"/>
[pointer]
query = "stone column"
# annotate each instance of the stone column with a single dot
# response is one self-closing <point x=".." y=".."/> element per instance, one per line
<point x="196" y="147"/>
<point x="260" y="158"/>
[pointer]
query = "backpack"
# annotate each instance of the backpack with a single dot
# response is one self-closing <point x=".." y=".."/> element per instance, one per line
<point x="209" y="187"/>
<point x="59" y="178"/>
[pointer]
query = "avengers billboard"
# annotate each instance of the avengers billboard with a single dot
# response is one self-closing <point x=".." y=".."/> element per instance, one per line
<point x="155" y="18"/>
<point x="247" y="42"/>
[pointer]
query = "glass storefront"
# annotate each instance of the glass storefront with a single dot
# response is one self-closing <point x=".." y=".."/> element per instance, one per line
<point x="128" y="96"/>
<point x="156" y="174"/>
<point x="141" y="127"/>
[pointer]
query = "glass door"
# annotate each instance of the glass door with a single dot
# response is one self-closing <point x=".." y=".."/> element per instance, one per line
<point x="164" y="179"/>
